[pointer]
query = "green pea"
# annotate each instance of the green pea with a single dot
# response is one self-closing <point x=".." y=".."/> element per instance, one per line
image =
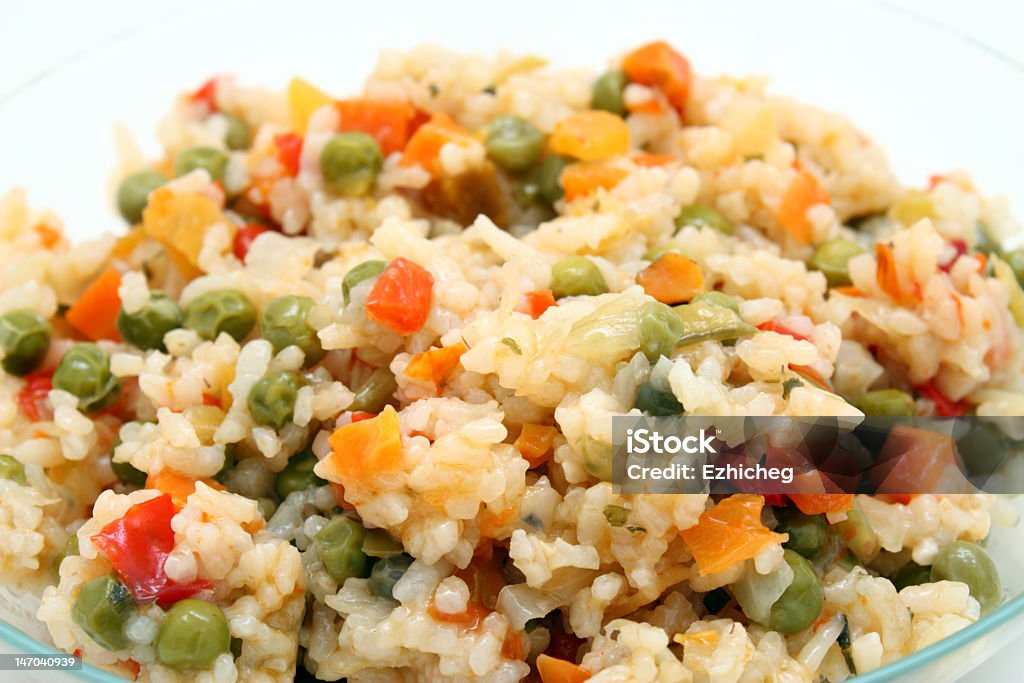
<point x="577" y="276"/>
<point x="145" y="329"/>
<point x="84" y="371"/>
<point x="831" y="259"/>
<point x="193" y="634"/>
<point x="549" y="177"/>
<point x="373" y="394"/>
<point x="703" y="322"/>
<point x="607" y="92"/>
<point x="214" y="161"/>
<point x="272" y="399"/>
<point x="237" y="135"/>
<point x="25" y="339"/>
<point x="658" y="403"/>
<point x="513" y="143"/>
<point x="267" y="507"/>
<point x="364" y="271"/>
<point x="285" y="322"/>
<point x="885" y="403"/>
<point x="912" y="574"/>
<point x="12" y="470"/>
<point x="969" y="563"/>
<point x="1015" y="259"/>
<point x="220" y="310"/>
<point x="386" y="573"/>
<point x="597" y="458"/>
<point x="133" y="193"/>
<point x="984" y="447"/>
<point x="701" y="216"/>
<point x="807" y="533"/>
<point x="102" y="609"/>
<point x="801" y="603"/>
<point x="654" y="253"/>
<point x="719" y="299"/>
<point x="660" y="329"/>
<point x="339" y="545"/>
<point x="857" y="534"/>
<point x="350" y="162"/>
<point x="298" y="474"/>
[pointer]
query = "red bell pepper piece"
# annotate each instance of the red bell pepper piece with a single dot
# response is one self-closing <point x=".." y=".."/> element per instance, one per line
<point x="289" y="149"/>
<point x="944" y="407"/>
<point x="244" y="237"/>
<point x="207" y="94"/>
<point x="32" y="396"/>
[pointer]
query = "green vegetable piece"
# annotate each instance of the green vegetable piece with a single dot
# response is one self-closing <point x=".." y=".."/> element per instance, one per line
<point x="700" y="216"/>
<point x="549" y="177"/>
<point x="350" y="162"/>
<point x="660" y="330"/>
<point x="128" y="474"/>
<point x="654" y="253"/>
<point x="12" y="470"/>
<point x="984" y="242"/>
<point x="1015" y="259"/>
<point x="267" y="507"/>
<point x="386" y="573"/>
<point x="616" y="515"/>
<point x="285" y="322"/>
<point x="375" y="393"/>
<point x="70" y="549"/>
<point x="84" y="371"/>
<point x="193" y="634"/>
<point x="145" y="328"/>
<point x="102" y="609"/>
<point x="214" y="161"/>
<point x="969" y="563"/>
<point x="133" y="193"/>
<point x="379" y="543"/>
<point x="513" y="143"/>
<point x="340" y="546"/>
<point x="844" y="646"/>
<point x="597" y="458"/>
<point x="25" y="339"/>
<point x="707" y="322"/>
<point x="716" y="600"/>
<point x="831" y="258"/>
<point x="364" y="271"/>
<point x="984" y="448"/>
<point x="220" y="310"/>
<point x="298" y="474"/>
<point x="237" y="135"/>
<point x="272" y="399"/>
<point x="885" y="403"/>
<point x="719" y="299"/>
<point x="807" y="533"/>
<point x="607" y="92"/>
<point x="800" y="605"/>
<point x="912" y="574"/>
<point x="658" y="403"/>
<point x="577" y="276"/>
<point x="857" y="534"/>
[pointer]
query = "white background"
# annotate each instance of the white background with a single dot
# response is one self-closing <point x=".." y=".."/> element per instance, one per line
<point x="36" y="36"/>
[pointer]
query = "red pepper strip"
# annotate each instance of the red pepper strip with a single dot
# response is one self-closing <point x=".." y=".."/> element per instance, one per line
<point x="961" y="248"/>
<point x="944" y="407"/>
<point x="32" y="396"/>
<point x="138" y="544"/>
<point x="289" y="148"/>
<point x="244" y="237"/>
<point x="207" y="94"/>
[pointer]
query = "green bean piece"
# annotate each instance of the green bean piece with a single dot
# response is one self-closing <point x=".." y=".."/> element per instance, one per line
<point x="969" y="563"/>
<point x="577" y="276"/>
<point x="885" y="403"/>
<point x="102" y="609"/>
<point x="831" y="258"/>
<point x="25" y="340"/>
<point x="220" y="310"/>
<point x="801" y="603"/>
<point x="214" y="161"/>
<point x="719" y="299"/>
<point x="11" y="469"/>
<point x="549" y="177"/>
<point x="70" y="549"/>
<point x="657" y="403"/>
<point x="350" y="162"/>
<point x="340" y="546"/>
<point x="298" y="474"/>
<point x="364" y="271"/>
<point x="703" y="322"/>
<point x="237" y="134"/>
<point x="145" y="329"/>
<point x="285" y="322"/>
<point x="607" y="92"/>
<point x="193" y="634"/>
<point x="272" y="399"/>
<point x="597" y="458"/>
<point x="513" y="143"/>
<point x="133" y="193"/>
<point x="374" y="393"/>
<point x="660" y="329"/>
<point x="701" y="216"/>
<point x="807" y="533"/>
<point x="912" y="574"/>
<point x="84" y="371"/>
<point x="386" y="573"/>
<point x="379" y="543"/>
<point x="857" y="534"/>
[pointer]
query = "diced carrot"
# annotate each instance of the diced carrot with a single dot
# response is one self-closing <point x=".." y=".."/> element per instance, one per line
<point x="95" y="312"/>
<point x="590" y="135"/>
<point x="386" y="122"/>
<point x="820" y="503"/>
<point x="289" y="151"/>
<point x="435" y="365"/>
<point x="362" y="451"/>
<point x="803" y="192"/>
<point x="539" y="301"/>
<point x="654" y="105"/>
<point x="580" y="180"/>
<point x="849" y="290"/>
<point x="512" y="645"/>
<point x="982" y="261"/>
<point x="400" y="299"/>
<point x="49" y="236"/>
<point x="304" y="98"/>
<point x="491" y="524"/>
<point x="470" y="619"/>
<point x="672" y="279"/>
<point x="424" y="147"/>
<point x="728" y="533"/>
<point x="178" y="486"/>
<point x="935" y="179"/>
<point x="885" y="274"/>
<point x="554" y="670"/>
<point x="359" y="416"/>
<point x="126" y="244"/>
<point x="339" y="496"/>
<point x="534" y="443"/>
<point x="658" y="65"/>
<point x="649" y="160"/>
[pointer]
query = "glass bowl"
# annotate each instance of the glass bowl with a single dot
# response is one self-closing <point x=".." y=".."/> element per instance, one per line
<point x="934" y="100"/>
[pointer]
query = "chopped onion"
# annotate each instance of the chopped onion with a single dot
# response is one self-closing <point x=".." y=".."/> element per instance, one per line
<point x="756" y="593"/>
<point x="520" y="603"/>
